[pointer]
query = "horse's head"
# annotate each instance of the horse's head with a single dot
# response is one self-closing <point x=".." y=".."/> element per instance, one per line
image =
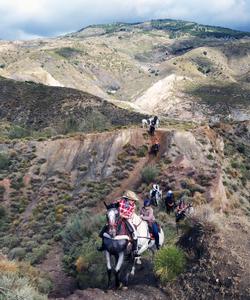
<point x="113" y="217"/>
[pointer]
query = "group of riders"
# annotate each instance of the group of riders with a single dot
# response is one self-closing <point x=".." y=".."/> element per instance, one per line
<point x="152" y="123"/>
<point x="127" y="207"/>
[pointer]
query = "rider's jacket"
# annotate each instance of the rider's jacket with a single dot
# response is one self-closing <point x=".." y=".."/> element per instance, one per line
<point x="147" y="214"/>
<point x="126" y="208"/>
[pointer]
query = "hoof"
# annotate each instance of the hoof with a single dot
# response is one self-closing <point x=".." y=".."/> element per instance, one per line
<point x="124" y="288"/>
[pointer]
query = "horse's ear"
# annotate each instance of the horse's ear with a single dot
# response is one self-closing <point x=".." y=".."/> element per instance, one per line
<point x="105" y="204"/>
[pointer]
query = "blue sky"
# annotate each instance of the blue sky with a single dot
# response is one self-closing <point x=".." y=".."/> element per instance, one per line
<point x="28" y="19"/>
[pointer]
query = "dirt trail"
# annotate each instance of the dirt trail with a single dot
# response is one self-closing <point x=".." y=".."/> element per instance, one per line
<point x="145" y="280"/>
<point x="63" y="285"/>
<point x="134" y="178"/>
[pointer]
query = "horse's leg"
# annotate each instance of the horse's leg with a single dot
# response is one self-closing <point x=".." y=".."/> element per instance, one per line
<point x="118" y="267"/>
<point x="109" y="268"/>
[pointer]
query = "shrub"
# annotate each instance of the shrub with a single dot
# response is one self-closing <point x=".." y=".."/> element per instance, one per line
<point x="21" y="281"/>
<point x="17" y="132"/>
<point x="169" y="262"/>
<point x="210" y="156"/>
<point x="149" y="174"/>
<point x="38" y="254"/>
<point x="17" y="253"/>
<point x="3" y="212"/>
<point x="142" y="151"/>
<point x="4" y="161"/>
<point x="79" y="243"/>
<point x="81" y="226"/>
<point x="90" y="266"/>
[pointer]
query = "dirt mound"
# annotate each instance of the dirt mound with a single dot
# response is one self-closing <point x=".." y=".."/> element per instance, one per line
<point x="218" y="265"/>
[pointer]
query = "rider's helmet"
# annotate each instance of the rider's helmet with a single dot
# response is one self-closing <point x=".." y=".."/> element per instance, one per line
<point x="147" y="203"/>
<point x="169" y="193"/>
<point x="156" y="187"/>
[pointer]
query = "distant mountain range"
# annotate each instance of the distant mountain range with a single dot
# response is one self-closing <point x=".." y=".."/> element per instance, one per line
<point x="174" y="68"/>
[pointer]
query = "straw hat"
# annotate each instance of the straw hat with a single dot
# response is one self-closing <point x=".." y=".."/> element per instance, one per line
<point x="131" y="196"/>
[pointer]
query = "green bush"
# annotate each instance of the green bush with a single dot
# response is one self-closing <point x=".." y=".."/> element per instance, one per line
<point x="142" y="151"/>
<point x="3" y="212"/>
<point x="4" y="161"/>
<point x="149" y="174"/>
<point x="38" y="254"/>
<point x="81" y="227"/>
<point x="17" y="253"/>
<point x="168" y="263"/>
<point x="81" y="258"/>
<point x="17" y="132"/>
<point x="210" y="156"/>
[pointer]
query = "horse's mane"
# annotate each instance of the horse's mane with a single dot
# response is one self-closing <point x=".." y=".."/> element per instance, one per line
<point x="136" y="219"/>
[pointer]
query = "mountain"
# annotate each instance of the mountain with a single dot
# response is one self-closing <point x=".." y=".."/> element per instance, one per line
<point x="194" y="71"/>
<point x="70" y="139"/>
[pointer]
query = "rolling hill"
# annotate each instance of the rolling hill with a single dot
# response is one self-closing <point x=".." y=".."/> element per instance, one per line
<point x="123" y="62"/>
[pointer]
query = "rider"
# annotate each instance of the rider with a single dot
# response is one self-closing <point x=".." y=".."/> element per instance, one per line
<point x="180" y="209"/>
<point x="170" y="201"/>
<point x="154" y="191"/>
<point x="155" y="146"/>
<point x="126" y="210"/>
<point x="147" y="214"/>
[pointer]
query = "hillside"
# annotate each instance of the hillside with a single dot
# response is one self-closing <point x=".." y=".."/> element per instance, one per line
<point x="55" y="110"/>
<point x="71" y="138"/>
<point x="124" y="62"/>
<point x="44" y="183"/>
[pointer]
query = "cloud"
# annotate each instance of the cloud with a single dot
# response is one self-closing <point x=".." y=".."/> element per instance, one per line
<point x="32" y="18"/>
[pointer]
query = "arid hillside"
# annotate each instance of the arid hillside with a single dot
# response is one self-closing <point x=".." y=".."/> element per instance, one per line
<point x="179" y="69"/>
<point x="45" y="183"/>
<point x="54" y="110"/>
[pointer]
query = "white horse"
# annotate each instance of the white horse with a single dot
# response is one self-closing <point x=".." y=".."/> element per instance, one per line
<point x="144" y="240"/>
<point x="116" y="244"/>
<point x="155" y="195"/>
<point x="146" y="122"/>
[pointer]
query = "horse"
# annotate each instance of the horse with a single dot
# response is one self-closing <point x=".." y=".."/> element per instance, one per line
<point x="117" y="244"/>
<point x="170" y="203"/>
<point x="154" y="120"/>
<point x="154" y="149"/>
<point x="170" y="206"/>
<point x="145" y="241"/>
<point x="155" y="196"/>
<point x="145" y="123"/>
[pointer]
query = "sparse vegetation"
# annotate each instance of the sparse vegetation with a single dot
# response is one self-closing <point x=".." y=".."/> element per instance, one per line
<point x="168" y="263"/>
<point x="149" y="174"/>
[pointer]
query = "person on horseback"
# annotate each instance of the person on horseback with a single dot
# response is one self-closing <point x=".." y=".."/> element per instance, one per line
<point x="169" y="201"/>
<point x="152" y="126"/>
<point x="147" y="214"/>
<point x="155" y="147"/>
<point x="152" y="194"/>
<point x="126" y="210"/>
<point x="180" y="209"/>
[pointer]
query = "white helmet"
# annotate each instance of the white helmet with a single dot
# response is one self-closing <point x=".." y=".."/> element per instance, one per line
<point x="169" y="192"/>
<point x="156" y="187"/>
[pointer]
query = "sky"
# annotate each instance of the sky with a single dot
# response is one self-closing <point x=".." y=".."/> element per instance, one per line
<point x="29" y="19"/>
